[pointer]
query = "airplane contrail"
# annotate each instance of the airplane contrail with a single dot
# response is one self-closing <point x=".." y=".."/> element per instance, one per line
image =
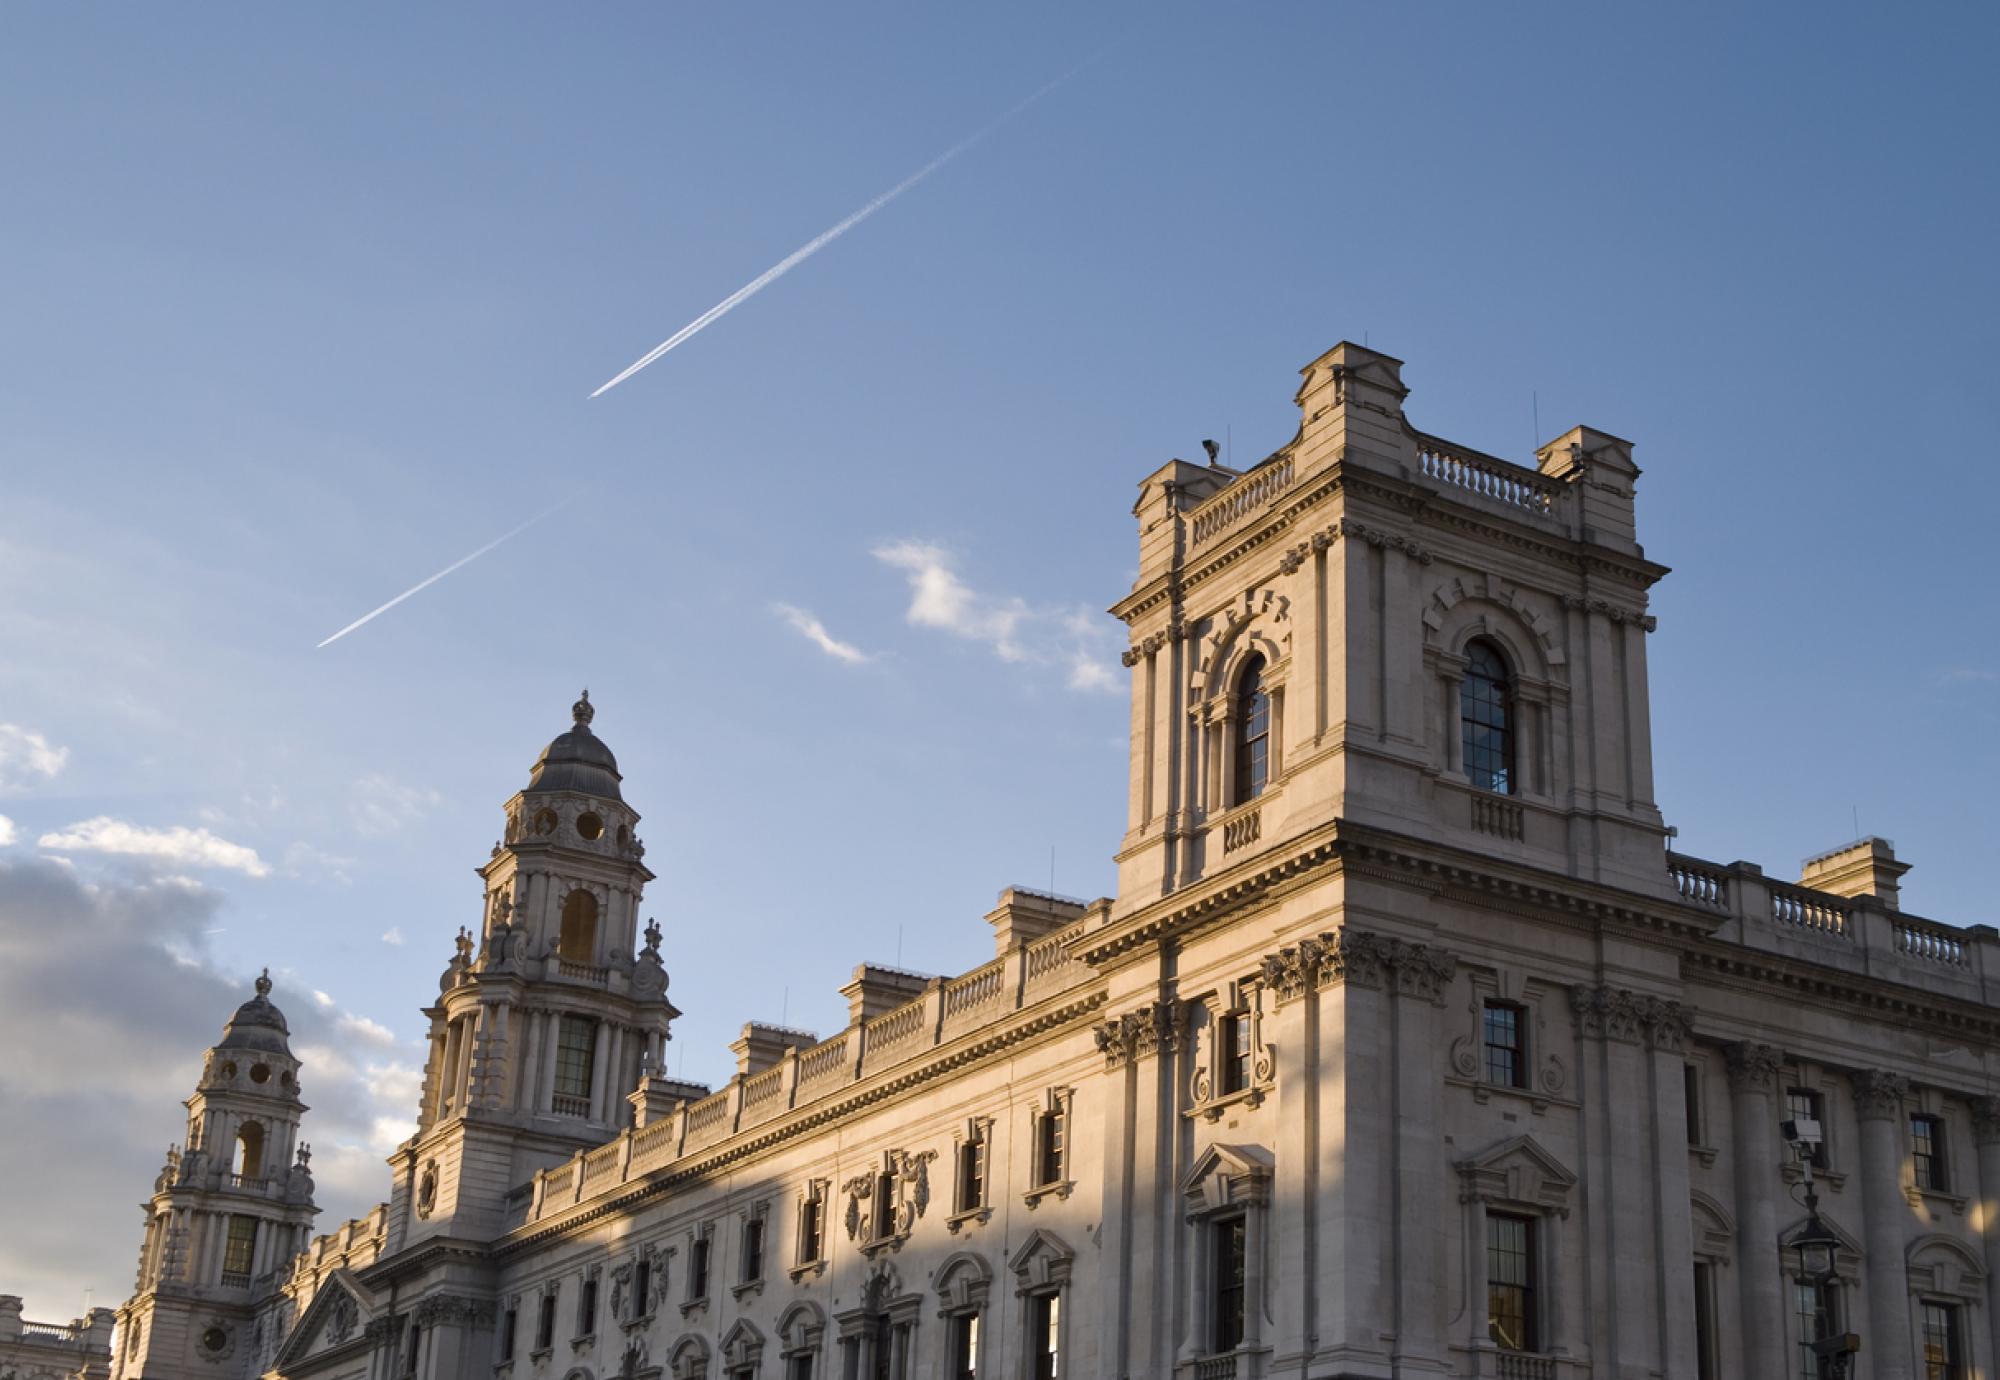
<point x="821" y="241"/>
<point x="373" y="614"/>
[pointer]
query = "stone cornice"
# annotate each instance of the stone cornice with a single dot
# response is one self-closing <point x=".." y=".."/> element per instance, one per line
<point x="1758" y="971"/>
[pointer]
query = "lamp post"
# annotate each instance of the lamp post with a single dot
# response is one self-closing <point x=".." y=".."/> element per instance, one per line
<point x="1817" y="1248"/>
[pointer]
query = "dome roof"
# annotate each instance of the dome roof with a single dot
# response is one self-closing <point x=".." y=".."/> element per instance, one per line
<point x="577" y="760"/>
<point x="257" y="1024"/>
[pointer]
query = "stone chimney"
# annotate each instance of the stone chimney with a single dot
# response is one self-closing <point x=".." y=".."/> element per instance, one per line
<point x="876" y="989"/>
<point x="1865" y="868"/>
<point x="10" y="1318"/>
<point x="1023" y="916"/>
<point x="1601" y="467"/>
<point x="656" y="1098"/>
<point x="762" y="1046"/>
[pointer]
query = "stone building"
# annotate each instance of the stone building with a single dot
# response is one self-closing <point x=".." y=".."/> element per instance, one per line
<point x="1407" y="1047"/>
<point x="75" y="1350"/>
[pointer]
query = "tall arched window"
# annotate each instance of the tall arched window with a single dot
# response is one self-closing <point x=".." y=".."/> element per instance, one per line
<point x="1253" y="732"/>
<point x="1486" y="718"/>
<point x="579" y="928"/>
<point x="250" y="1150"/>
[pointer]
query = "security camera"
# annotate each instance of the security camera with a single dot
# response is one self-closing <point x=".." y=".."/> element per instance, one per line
<point x="1801" y="1131"/>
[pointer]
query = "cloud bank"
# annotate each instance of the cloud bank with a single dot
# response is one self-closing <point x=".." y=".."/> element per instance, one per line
<point x="27" y="758"/>
<point x="178" y="846"/>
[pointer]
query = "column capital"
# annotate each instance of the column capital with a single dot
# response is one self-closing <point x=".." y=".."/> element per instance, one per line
<point x="1608" y="1013"/>
<point x="1753" y="1067"/>
<point x="1361" y="959"/>
<point x="1878" y="1095"/>
<point x="1155" y="1028"/>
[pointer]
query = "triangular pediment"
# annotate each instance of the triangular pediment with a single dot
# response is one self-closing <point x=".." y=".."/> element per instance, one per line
<point x="1042" y="1261"/>
<point x="1223" y="1175"/>
<point x="1520" y="1171"/>
<point x="335" y="1320"/>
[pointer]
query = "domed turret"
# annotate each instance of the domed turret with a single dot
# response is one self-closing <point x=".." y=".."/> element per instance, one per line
<point x="258" y="1025"/>
<point x="577" y="760"/>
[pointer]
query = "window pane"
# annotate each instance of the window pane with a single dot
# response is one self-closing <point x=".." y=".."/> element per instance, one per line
<point x="1253" y="733"/>
<point x="1809" y="1305"/>
<point x="1510" y="1281"/>
<point x="1230" y="1240"/>
<point x="1486" y="717"/>
<point x="1506" y="1058"/>
<point x="576" y="1050"/>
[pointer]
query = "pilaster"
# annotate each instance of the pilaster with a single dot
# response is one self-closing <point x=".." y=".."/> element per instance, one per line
<point x="1878" y="1102"/>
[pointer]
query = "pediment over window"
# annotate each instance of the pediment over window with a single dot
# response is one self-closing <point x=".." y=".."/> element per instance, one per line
<point x="802" y="1325"/>
<point x="1225" y="1176"/>
<point x="338" y="1317"/>
<point x="1043" y="1261"/>
<point x="1714" y="1228"/>
<point x="1940" y="1265"/>
<point x="742" y="1345"/>
<point x="962" y="1283"/>
<point x="1517" y="1171"/>
<point x="689" y="1358"/>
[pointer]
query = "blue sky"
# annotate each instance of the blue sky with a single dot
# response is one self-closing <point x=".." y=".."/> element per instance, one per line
<point x="300" y="305"/>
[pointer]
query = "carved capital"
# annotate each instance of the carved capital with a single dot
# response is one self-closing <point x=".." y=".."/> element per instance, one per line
<point x="1421" y="970"/>
<point x="1155" y="1028"/>
<point x="1753" y="1067"/>
<point x="1290" y="973"/>
<point x="1607" y="1013"/>
<point x="1878" y="1095"/>
<point x="1356" y="957"/>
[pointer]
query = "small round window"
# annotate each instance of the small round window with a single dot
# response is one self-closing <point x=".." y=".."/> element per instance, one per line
<point x="228" y="1069"/>
<point x="285" y="1078"/>
<point x="215" y="1339"/>
<point x="590" y="826"/>
<point x="260" y="1073"/>
<point x="545" y="822"/>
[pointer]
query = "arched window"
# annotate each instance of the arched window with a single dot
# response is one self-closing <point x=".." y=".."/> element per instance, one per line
<point x="579" y="928"/>
<point x="1253" y="732"/>
<point x="1486" y="719"/>
<point x="250" y="1150"/>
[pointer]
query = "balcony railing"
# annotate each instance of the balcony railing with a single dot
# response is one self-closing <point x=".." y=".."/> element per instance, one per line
<point x="1516" y="486"/>
<point x="1244" y="496"/>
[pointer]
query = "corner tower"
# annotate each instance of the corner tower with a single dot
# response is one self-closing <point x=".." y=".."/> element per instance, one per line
<point x="1377" y="627"/>
<point x="543" y="1020"/>
<point x="226" y="1212"/>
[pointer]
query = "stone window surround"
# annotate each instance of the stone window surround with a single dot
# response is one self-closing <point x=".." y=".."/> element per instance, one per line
<point x="1548" y="1074"/>
<point x="689" y="1358"/>
<point x="1242" y="996"/>
<point x="742" y="1347"/>
<point x="975" y="1131"/>
<point x="585" y="1336"/>
<point x="746" y="1287"/>
<point x="1217" y="716"/>
<point x="1522" y="1179"/>
<point x="631" y="1312"/>
<point x="1041" y="1267"/>
<point x="814" y="1196"/>
<point x="963" y="1283"/>
<point x="801" y="1331"/>
<point x="1804" y="1073"/>
<point x="882" y="1299"/>
<point x="1930" y="1101"/>
<point x="1533" y="700"/>
<point x="1058" y="1101"/>
<point x="1226" y="1182"/>
<point x="695" y="1303"/>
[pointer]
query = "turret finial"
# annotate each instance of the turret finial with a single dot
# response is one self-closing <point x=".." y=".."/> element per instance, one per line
<point x="582" y="710"/>
<point x="264" y="983"/>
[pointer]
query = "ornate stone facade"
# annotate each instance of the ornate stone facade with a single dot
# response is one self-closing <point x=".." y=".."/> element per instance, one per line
<point x="1406" y="1048"/>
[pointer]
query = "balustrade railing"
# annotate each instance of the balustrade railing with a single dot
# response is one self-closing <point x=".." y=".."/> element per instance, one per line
<point x="823" y="1061"/>
<point x="976" y="989"/>
<point x="1517" y="486"/>
<point x="1810" y="910"/>
<point x="1521" y="1365"/>
<point x="1501" y="818"/>
<point x="708" y="1114"/>
<point x="1216" y="1368"/>
<point x="585" y="971"/>
<point x="760" y="1088"/>
<point x="560" y="1180"/>
<point x="1048" y="959"/>
<point x="1243" y="830"/>
<point x="649" y="1141"/>
<point x="1930" y="944"/>
<point x="1703" y="883"/>
<point x="562" y="1104"/>
<point x="236" y="1279"/>
<point x="1243" y="497"/>
<point x="887" y="1031"/>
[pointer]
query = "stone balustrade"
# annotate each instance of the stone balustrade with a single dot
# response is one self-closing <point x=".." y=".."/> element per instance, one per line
<point x="988" y="996"/>
<point x="1516" y="486"/>
<point x="1860" y="933"/>
<point x="1245" y="496"/>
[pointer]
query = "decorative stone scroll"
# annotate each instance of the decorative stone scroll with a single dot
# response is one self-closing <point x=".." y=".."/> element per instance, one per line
<point x="1753" y="1067"/>
<point x="1607" y="1013"/>
<point x="1356" y="957"/>
<point x="1157" y="1027"/>
<point x="1878" y="1095"/>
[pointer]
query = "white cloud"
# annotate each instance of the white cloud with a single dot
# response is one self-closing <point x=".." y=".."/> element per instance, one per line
<point x="7" y="831"/>
<point x="26" y="757"/>
<point x="1015" y="630"/>
<point x="306" y="862"/>
<point x="815" y="632"/>
<point x="383" y="805"/>
<point x="393" y="936"/>
<point x="361" y="1028"/>
<point x="178" y="845"/>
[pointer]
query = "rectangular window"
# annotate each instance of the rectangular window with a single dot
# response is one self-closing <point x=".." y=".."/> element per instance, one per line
<point x="586" y="1307"/>
<point x="1510" y="1281"/>
<point x="753" y="1249"/>
<point x="509" y="1324"/>
<point x="885" y="1206"/>
<point x="545" y="1327"/>
<point x="1691" y="1095"/>
<point x="1809" y="1307"/>
<point x="1232" y="1053"/>
<point x="1805" y="1104"/>
<point x="240" y="1252"/>
<point x="1704" y="1321"/>
<point x="1229" y="1237"/>
<point x="799" y="1367"/>
<point x="1051" y="1146"/>
<point x="642" y="1288"/>
<point x="1927" y="1152"/>
<point x="811" y="1217"/>
<point x="971" y="1174"/>
<point x="576" y="1052"/>
<point x="698" y="1268"/>
<point x="1044" y="1336"/>
<point x="965" y="1347"/>
<point x="1944" y="1357"/>
<point x="415" y="1351"/>
<point x="1506" y="1047"/>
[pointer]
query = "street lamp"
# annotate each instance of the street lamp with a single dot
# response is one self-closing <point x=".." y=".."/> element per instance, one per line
<point x="1819" y="1264"/>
